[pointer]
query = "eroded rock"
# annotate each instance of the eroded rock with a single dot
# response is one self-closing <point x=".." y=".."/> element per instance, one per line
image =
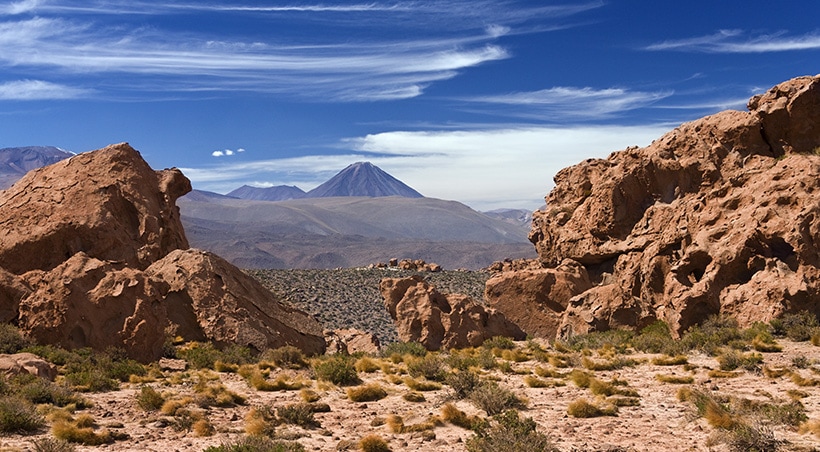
<point x="423" y="314"/>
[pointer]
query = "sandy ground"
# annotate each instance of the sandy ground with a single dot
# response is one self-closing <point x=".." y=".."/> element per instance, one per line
<point x="659" y="423"/>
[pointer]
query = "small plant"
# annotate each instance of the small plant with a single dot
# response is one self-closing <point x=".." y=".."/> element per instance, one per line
<point x="462" y="382"/>
<point x="421" y="385"/>
<point x="414" y="397"/>
<point x="11" y="340"/>
<point x="367" y="365"/>
<point x="260" y="421"/>
<point x="733" y="359"/>
<point x="203" y="427"/>
<point x="48" y="444"/>
<point x="373" y="443"/>
<point x="799" y="327"/>
<point x="582" y="408"/>
<point x="510" y="433"/>
<point x="499" y="342"/>
<point x="397" y="425"/>
<point x="337" y="369"/>
<point x="309" y="395"/>
<point x="366" y="393"/>
<point x="149" y="399"/>
<point x="494" y="399"/>
<point x="670" y="360"/>
<point x="430" y="366"/>
<point x="403" y="348"/>
<point x="255" y="443"/>
<point x="674" y="379"/>
<point x="18" y="415"/>
<point x="450" y="413"/>
<point x="288" y="357"/>
<point x="199" y="355"/>
<point x="73" y="432"/>
<point x="812" y="427"/>
<point x="300" y="414"/>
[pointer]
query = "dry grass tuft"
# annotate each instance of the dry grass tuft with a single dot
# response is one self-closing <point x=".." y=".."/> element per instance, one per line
<point x="582" y="408"/>
<point x="373" y="443"/>
<point x="366" y="393"/>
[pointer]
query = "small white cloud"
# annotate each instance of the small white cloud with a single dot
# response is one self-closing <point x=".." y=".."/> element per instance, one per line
<point x="733" y="41"/>
<point x="228" y="152"/>
<point x="240" y="150"/>
<point x="217" y="153"/>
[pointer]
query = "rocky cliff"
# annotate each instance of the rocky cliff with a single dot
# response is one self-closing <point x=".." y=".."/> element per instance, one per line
<point x="93" y="254"/>
<point x="720" y="215"/>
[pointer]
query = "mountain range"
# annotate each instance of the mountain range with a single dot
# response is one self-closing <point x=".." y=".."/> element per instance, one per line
<point x="360" y="216"/>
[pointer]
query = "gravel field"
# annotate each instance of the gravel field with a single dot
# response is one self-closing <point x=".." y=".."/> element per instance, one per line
<point x="350" y="298"/>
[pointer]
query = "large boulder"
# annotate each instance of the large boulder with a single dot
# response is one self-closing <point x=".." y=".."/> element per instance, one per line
<point x="720" y="215"/>
<point x="94" y="255"/>
<point x="423" y="314"/>
<point x="209" y="298"/>
<point x="26" y="363"/>
<point x="108" y="204"/>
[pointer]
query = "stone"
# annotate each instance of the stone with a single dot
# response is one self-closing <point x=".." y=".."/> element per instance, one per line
<point x="718" y="216"/>
<point x="423" y="314"/>
<point x="27" y="363"/>
<point x="350" y="340"/>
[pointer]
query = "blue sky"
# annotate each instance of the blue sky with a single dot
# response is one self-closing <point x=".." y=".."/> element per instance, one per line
<point x="477" y="101"/>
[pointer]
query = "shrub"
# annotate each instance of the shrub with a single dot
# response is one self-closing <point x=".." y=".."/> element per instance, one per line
<point x="510" y="433"/>
<point x="257" y="444"/>
<point x="715" y="333"/>
<point x="11" y="340"/>
<point x="733" y="359"/>
<point x="73" y="433"/>
<point x="281" y="383"/>
<point x="260" y="421"/>
<point x="149" y="399"/>
<point x="337" y="369"/>
<point x="430" y="366"/>
<point x="752" y="437"/>
<point x="404" y="348"/>
<point x="39" y="390"/>
<point x="300" y="414"/>
<point x="462" y="382"/>
<point x="414" y="397"/>
<point x="308" y="395"/>
<point x="812" y="427"/>
<point x="499" y="342"/>
<point x="203" y="428"/>
<point x="18" y="415"/>
<point x="675" y="379"/>
<point x="396" y="424"/>
<point x="450" y="413"/>
<point x="367" y="393"/>
<point x="656" y="338"/>
<point x="215" y="394"/>
<point x="798" y="327"/>
<point x="367" y="365"/>
<point x="200" y="355"/>
<point x="288" y="357"/>
<point x="494" y="399"/>
<point x="670" y="360"/>
<point x="421" y="385"/>
<point x="48" y="444"/>
<point x="584" y="409"/>
<point x="373" y="443"/>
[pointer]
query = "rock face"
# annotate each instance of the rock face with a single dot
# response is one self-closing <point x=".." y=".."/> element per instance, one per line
<point x="27" y="363"/>
<point x="94" y="255"/>
<point x="350" y="340"/>
<point x="720" y="215"/>
<point x="436" y="320"/>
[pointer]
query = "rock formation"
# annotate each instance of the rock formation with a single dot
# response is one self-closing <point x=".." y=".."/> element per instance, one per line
<point x="26" y="363"/>
<point x="350" y="340"/>
<point x="423" y="314"/>
<point x="94" y="255"/>
<point x="720" y="215"/>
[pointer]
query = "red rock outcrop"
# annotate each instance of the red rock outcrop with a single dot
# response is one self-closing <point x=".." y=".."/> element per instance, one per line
<point x="423" y="314"/>
<point x="350" y="340"/>
<point x="26" y="363"/>
<point x="94" y="255"/>
<point x="720" y="215"/>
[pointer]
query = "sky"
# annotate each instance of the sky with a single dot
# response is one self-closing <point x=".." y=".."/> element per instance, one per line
<point x="471" y="100"/>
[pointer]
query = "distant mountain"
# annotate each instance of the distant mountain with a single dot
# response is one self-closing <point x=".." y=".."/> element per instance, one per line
<point x="16" y="162"/>
<point x="277" y="193"/>
<point x="349" y="232"/>
<point x="363" y="179"/>
<point x="521" y="217"/>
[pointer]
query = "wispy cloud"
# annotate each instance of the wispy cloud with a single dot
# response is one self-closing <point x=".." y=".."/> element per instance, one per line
<point x="38" y="90"/>
<point x="737" y="41"/>
<point x="559" y="103"/>
<point x="511" y="167"/>
<point x="83" y="39"/>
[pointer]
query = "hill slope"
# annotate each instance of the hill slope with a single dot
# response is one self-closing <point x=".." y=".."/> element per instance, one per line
<point x="16" y="162"/>
<point x="277" y="193"/>
<point x="349" y="231"/>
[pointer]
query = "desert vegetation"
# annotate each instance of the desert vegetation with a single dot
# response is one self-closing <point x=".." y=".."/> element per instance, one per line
<point x="719" y="387"/>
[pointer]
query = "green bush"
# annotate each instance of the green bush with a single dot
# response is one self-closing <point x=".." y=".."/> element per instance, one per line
<point x="430" y="366"/>
<point x="39" y="390"/>
<point x="403" y="348"/>
<point x="256" y="443"/>
<point x="288" y="357"/>
<point x="462" y="382"/>
<point x="11" y="340"/>
<point x="500" y="342"/>
<point x="18" y="415"/>
<point x="510" y="433"/>
<point x="300" y="414"/>
<point x="149" y="399"/>
<point x="494" y="399"/>
<point x="337" y="369"/>
<point x="799" y="326"/>
<point x="200" y="355"/>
